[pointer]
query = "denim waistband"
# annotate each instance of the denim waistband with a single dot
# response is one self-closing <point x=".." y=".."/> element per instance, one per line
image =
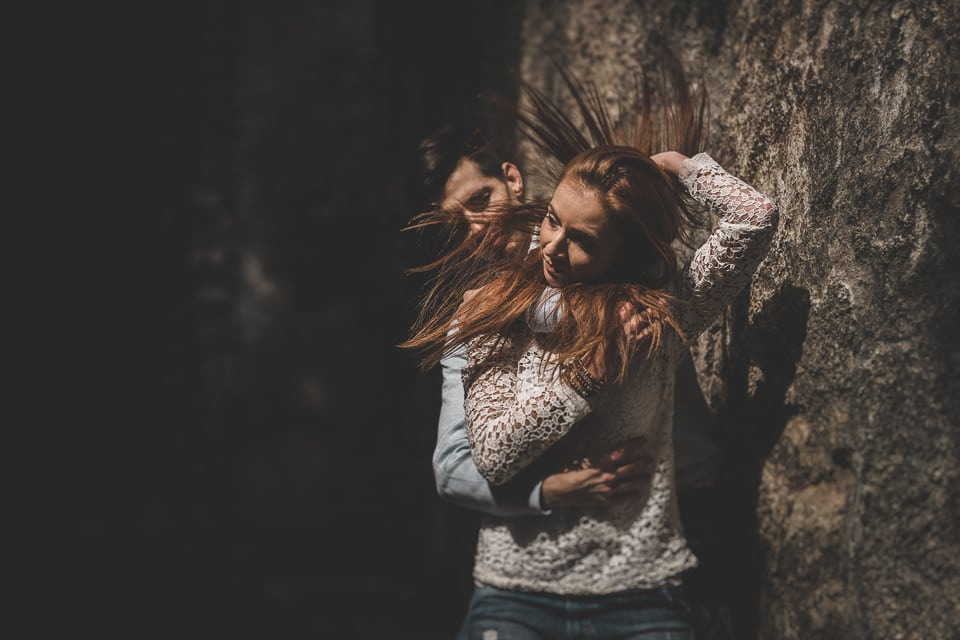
<point x="670" y="593"/>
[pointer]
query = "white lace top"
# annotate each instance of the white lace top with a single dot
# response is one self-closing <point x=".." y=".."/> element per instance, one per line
<point x="520" y="414"/>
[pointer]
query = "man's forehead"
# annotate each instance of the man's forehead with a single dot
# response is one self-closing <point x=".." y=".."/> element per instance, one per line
<point x="464" y="180"/>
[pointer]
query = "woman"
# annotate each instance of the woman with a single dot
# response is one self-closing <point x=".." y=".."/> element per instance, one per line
<point x="573" y="349"/>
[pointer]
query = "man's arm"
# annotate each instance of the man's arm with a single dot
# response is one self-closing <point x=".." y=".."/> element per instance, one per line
<point x="457" y="477"/>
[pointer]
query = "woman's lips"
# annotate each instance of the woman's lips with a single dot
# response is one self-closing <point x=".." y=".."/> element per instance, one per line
<point x="551" y="269"/>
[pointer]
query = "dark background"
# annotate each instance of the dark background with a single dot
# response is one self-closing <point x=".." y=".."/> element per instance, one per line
<point x="240" y="449"/>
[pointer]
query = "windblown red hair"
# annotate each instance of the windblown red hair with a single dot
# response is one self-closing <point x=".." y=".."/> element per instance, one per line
<point x="646" y="205"/>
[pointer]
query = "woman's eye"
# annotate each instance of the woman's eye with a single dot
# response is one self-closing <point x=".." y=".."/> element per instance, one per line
<point x="587" y="244"/>
<point x="552" y="221"/>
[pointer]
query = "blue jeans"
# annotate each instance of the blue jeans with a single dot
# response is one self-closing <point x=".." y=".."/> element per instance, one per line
<point x="499" y="614"/>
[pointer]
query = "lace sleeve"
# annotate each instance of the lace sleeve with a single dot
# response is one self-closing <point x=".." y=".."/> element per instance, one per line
<point x="724" y="264"/>
<point x="515" y="410"/>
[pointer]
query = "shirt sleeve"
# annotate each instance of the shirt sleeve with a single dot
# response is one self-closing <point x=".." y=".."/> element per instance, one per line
<point x="515" y="410"/>
<point x="723" y="265"/>
<point x="457" y="478"/>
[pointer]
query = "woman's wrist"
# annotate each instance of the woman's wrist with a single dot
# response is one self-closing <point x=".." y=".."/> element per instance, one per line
<point x="670" y="162"/>
<point x="576" y="375"/>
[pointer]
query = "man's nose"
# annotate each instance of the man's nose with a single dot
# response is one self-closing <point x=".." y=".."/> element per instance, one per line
<point x="476" y="228"/>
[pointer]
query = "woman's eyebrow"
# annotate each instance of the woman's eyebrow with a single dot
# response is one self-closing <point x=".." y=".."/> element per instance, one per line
<point x="575" y="232"/>
<point x="580" y="233"/>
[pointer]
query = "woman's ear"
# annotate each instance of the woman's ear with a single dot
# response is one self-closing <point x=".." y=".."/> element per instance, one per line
<point x="514" y="178"/>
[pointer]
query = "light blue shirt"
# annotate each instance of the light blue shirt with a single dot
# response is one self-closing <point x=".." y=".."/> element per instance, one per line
<point x="457" y="477"/>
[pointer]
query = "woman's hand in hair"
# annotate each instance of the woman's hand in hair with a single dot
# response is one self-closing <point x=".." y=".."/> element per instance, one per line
<point x="467" y="297"/>
<point x="670" y="162"/>
<point x="635" y="326"/>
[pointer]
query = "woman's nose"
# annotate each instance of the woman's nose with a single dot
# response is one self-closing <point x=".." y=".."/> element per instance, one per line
<point x="554" y="246"/>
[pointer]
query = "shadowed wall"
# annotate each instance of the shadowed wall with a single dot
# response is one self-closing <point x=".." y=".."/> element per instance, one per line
<point x="255" y="460"/>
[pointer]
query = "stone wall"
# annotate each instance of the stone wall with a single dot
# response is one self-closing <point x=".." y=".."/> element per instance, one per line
<point x="835" y="375"/>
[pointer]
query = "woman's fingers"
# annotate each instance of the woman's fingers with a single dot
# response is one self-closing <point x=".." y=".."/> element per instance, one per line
<point x="641" y="467"/>
<point x="597" y="487"/>
<point x="632" y="450"/>
<point x="669" y="161"/>
<point x="637" y="325"/>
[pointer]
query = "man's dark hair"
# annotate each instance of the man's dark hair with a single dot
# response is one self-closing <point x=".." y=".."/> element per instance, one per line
<point x="441" y="152"/>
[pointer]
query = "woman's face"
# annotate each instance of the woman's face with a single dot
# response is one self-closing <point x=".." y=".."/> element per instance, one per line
<point x="578" y="241"/>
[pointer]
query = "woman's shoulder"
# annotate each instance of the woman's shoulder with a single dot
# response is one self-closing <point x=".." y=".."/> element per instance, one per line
<point x="509" y="342"/>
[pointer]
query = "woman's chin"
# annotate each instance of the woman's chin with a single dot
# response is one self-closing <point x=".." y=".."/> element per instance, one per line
<point x="554" y="280"/>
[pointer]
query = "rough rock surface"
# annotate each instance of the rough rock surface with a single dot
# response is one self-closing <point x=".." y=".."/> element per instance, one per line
<point x="836" y="373"/>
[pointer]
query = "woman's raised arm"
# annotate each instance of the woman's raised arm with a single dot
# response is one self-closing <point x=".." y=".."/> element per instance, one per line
<point x="723" y="265"/>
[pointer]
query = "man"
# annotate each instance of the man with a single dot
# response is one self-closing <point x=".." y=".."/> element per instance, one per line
<point x="463" y="172"/>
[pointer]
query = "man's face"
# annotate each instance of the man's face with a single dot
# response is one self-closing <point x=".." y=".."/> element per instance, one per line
<point x="481" y="198"/>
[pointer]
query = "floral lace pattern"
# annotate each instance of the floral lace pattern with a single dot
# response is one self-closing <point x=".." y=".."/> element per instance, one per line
<point x="518" y="409"/>
<point x="524" y="405"/>
<point x="724" y="264"/>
